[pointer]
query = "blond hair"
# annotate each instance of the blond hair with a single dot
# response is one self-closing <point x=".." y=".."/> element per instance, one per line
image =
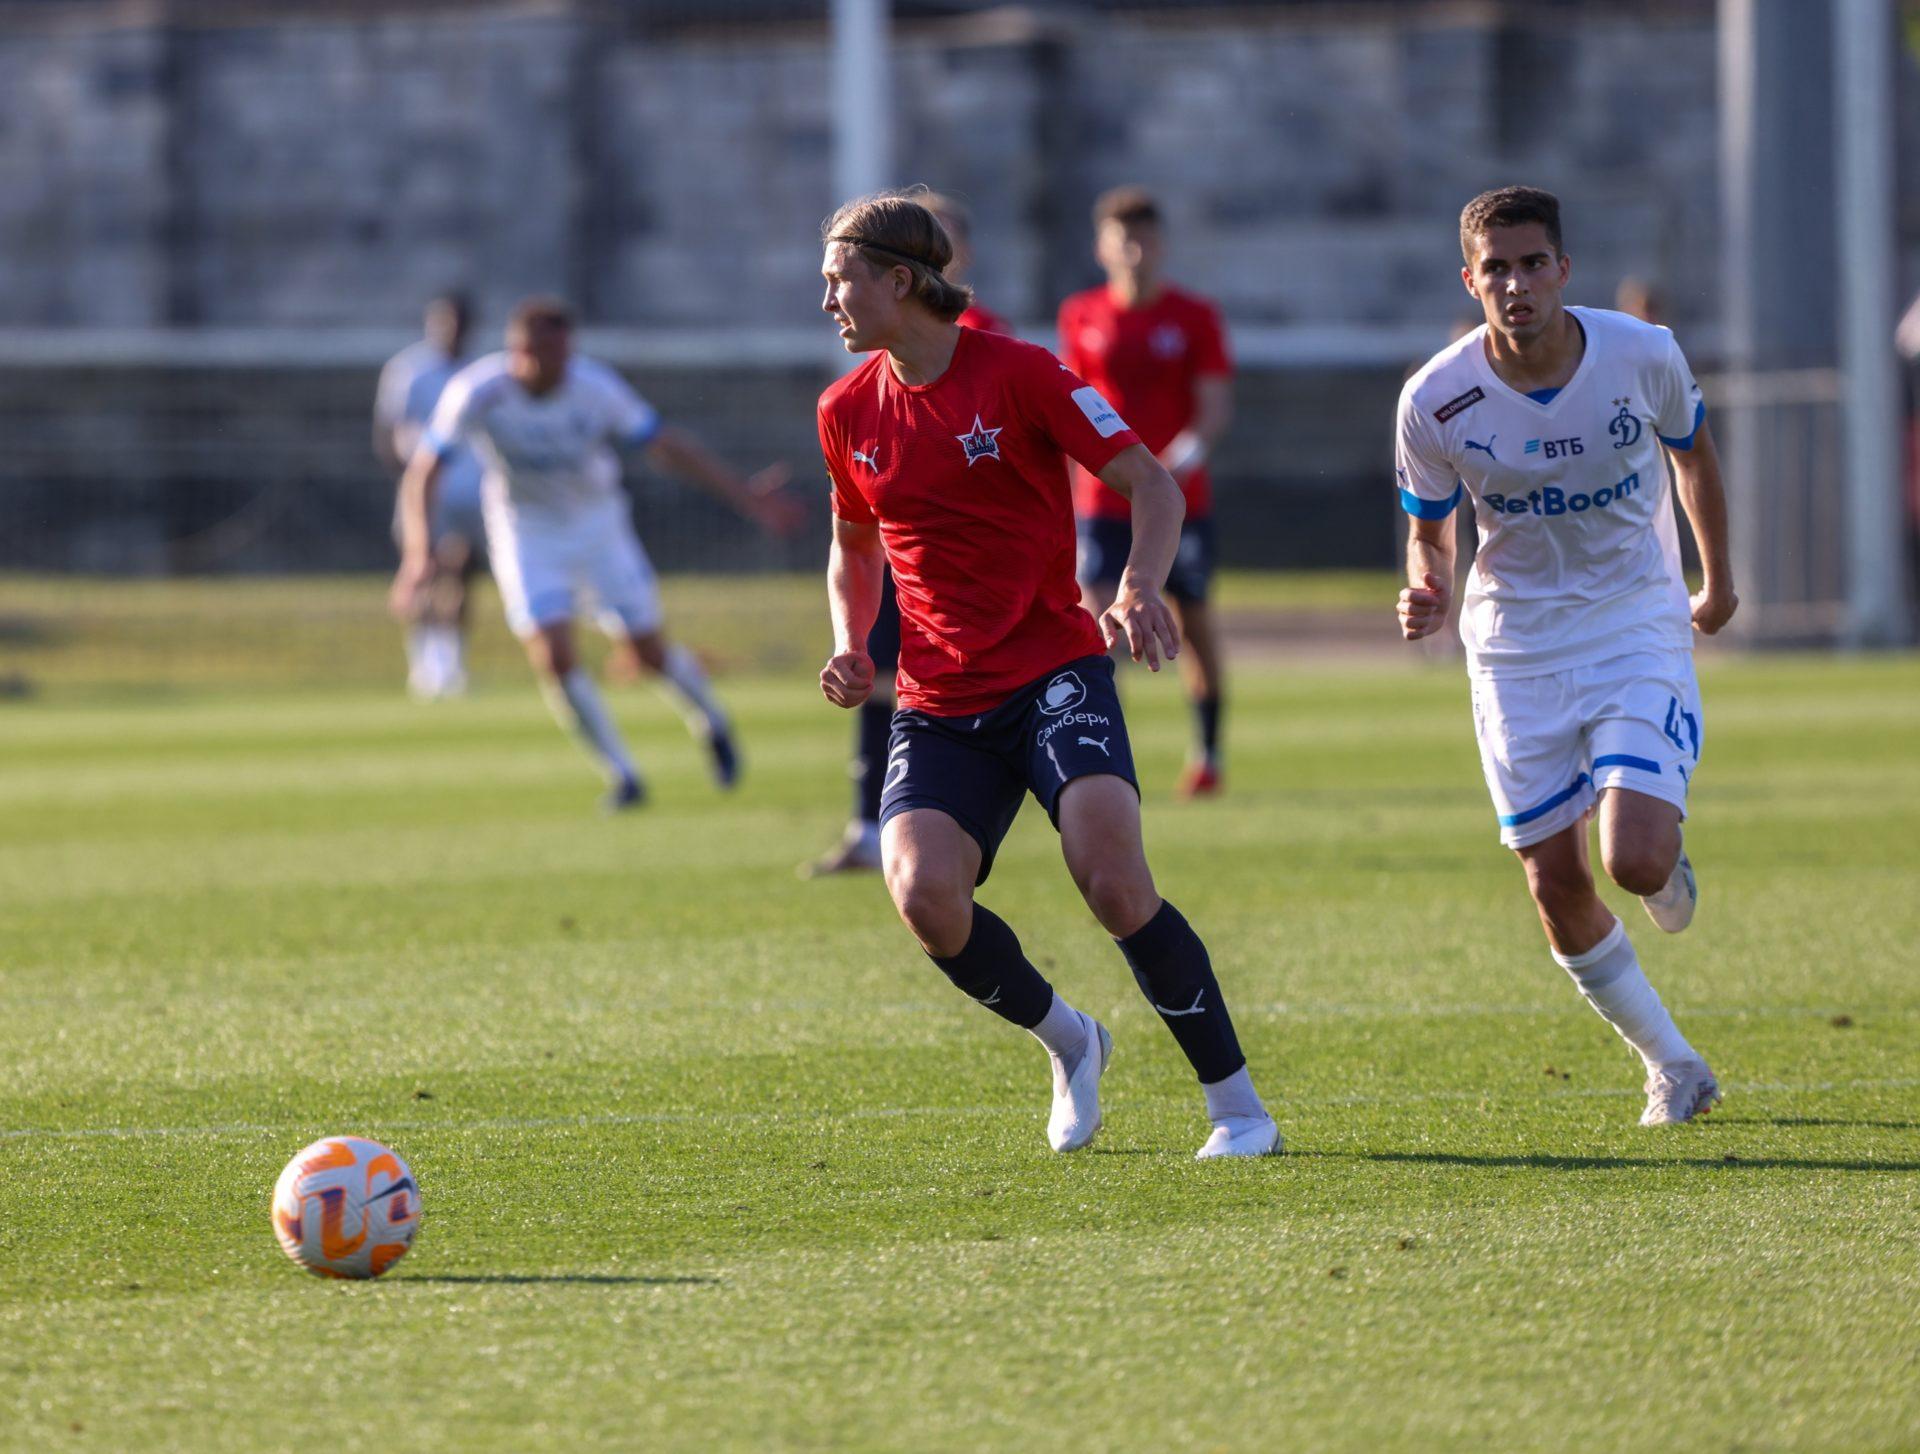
<point x="896" y="230"/>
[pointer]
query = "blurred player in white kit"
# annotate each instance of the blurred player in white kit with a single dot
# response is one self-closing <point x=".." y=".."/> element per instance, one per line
<point x="1551" y="423"/>
<point x="548" y="427"/>
<point x="410" y="385"/>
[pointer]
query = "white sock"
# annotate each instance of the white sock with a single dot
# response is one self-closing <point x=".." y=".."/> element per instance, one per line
<point x="419" y="657"/>
<point x="577" y="706"/>
<point x="1063" y="1030"/>
<point x="688" y="679"/>
<point x="1234" y="1099"/>
<point x="450" y="650"/>
<point x="1610" y="977"/>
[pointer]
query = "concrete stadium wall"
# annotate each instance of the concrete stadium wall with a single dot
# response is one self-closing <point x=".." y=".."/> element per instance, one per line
<point x="328" y="171"/>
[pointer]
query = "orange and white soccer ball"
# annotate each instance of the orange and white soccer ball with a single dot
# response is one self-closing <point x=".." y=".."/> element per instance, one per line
<point x="346" y="1207"/>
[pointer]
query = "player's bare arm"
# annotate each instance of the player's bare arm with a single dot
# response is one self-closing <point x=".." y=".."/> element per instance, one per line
<point x="757" y="497"/>
<point x="1423" y="602"/>
<point x="854" y="568"/>
<point x="417" y="488"/>
<point x="1696" y="474"/>
<point x="1139" y="612"/>
<point x="1212" y="413"/>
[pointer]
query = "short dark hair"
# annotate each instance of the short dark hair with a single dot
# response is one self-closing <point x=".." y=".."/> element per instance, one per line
<point x="542" y="312"/>
<point x="1126" y="205"/>
<point x="1509" y="207"/>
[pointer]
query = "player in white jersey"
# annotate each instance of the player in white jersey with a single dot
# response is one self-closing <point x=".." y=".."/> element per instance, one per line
<point x="548" y="427"/>
<point x="1576" y="619"/>
<point x="410" y="386"/>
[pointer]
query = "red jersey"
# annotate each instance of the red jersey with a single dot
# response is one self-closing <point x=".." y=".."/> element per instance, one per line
<point x="967" y="479"/>
<point x="984" y="319"/>
<point x="1147" y="361"/>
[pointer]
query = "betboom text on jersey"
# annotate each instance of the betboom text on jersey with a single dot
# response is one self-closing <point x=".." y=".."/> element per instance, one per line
<point x="1550" y="501"/>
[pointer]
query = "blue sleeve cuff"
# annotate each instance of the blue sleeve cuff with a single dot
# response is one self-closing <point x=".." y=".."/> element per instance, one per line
<point x="645" y="434"/>
<point x="434" y="445"/>
<point x="1430" y="509"/>
<point x="1699" y="418"/>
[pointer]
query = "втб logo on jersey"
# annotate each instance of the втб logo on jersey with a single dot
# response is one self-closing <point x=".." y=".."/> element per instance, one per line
<point x="1625" y="427"/>
<point x="1487" y="448"/>
<point x="1063" y="694"/>
<point x="981" y="443"/>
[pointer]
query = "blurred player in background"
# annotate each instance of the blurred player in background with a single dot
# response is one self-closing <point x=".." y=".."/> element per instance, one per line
<point x="948" y="451"/>
<point x="1578" y="627"/>
<point x="859" y="847"/>
<point x="549" y="427"/>
<point x="1159" y="354"/>
<point x="410" y="385"/>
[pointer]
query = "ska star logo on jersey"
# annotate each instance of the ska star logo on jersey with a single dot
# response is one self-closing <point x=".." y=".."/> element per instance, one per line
<point x="981" y="443"/>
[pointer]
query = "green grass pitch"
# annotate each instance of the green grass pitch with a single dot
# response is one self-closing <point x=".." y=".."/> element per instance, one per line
<point x="713" y="1159"/>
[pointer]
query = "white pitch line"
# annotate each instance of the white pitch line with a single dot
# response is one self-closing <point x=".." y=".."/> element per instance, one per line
<point x="878" y="1113"/>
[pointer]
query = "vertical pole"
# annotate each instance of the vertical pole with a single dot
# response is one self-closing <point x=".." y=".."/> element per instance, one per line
<point x="1863" y="46"/>
<point x="1739" y="68"/>
<point x="862" y="99"/>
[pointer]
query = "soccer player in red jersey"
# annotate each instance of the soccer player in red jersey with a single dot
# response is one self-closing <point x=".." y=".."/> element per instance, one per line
<point x="859" y="846"/>
<point x="948" y="451"/>
<point x="1159" y="354"/>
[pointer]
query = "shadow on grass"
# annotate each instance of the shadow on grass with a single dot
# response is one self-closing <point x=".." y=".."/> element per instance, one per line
<point x="1817" y="1121"/>
<point x="594" y="1279"/>
<point x="1545" y="1161"/>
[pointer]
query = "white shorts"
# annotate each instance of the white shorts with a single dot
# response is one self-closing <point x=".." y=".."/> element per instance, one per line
<point x="1551" y="744"/>
<point x="544" y="567"/>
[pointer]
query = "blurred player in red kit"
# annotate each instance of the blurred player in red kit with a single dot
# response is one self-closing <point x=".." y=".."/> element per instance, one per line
<point x="1159" y="354"/>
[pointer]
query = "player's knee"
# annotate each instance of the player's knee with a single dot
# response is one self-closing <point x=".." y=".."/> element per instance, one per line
<point x="551" y="655"/>
<point x="649" y="653"/>
<point x="1121" y="896"/>
<point x="937" y="910"/>
<point x="1639" y="868"/>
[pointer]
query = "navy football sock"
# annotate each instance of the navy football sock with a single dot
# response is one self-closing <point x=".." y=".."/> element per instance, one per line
<point x="873" y="725"/>
<point x="1207" y="711"/>
<point x="1171" y="965"/>
<point x="995" y="971"/>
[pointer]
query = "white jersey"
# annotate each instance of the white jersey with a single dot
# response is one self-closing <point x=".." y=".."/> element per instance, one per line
<point x="547" y="458"/>
<point x="1579" y="554"/>
<point x="411" y="383"/>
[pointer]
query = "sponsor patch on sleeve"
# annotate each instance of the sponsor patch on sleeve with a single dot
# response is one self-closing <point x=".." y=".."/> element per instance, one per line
<point x="1459" y="404"/>
<point x="1100" y="414"/>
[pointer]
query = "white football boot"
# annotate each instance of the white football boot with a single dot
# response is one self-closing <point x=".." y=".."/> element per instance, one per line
<point x="1241" y="1137"/>
<point x="1672" y="908"/>
<point x="1076" y="1092"/>
<point x="1677" y="1093"/>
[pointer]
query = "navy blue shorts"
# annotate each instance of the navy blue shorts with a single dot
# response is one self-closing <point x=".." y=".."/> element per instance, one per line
<point x="1105" y="541"/>
<point x="978" y="770"/>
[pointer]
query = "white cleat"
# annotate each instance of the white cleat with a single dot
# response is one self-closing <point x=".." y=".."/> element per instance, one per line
<point x="1076" y="1092"/>
<point x="1240" y="1137"/>
<point x="1677" y="1093"/>
<point x="1672" y="908"/>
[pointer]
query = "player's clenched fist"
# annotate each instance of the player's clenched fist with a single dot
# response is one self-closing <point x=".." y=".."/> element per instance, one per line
<point x="1423" y="608"/>
<point x="1712" y="607"/>
<point x="847" y="679"/>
